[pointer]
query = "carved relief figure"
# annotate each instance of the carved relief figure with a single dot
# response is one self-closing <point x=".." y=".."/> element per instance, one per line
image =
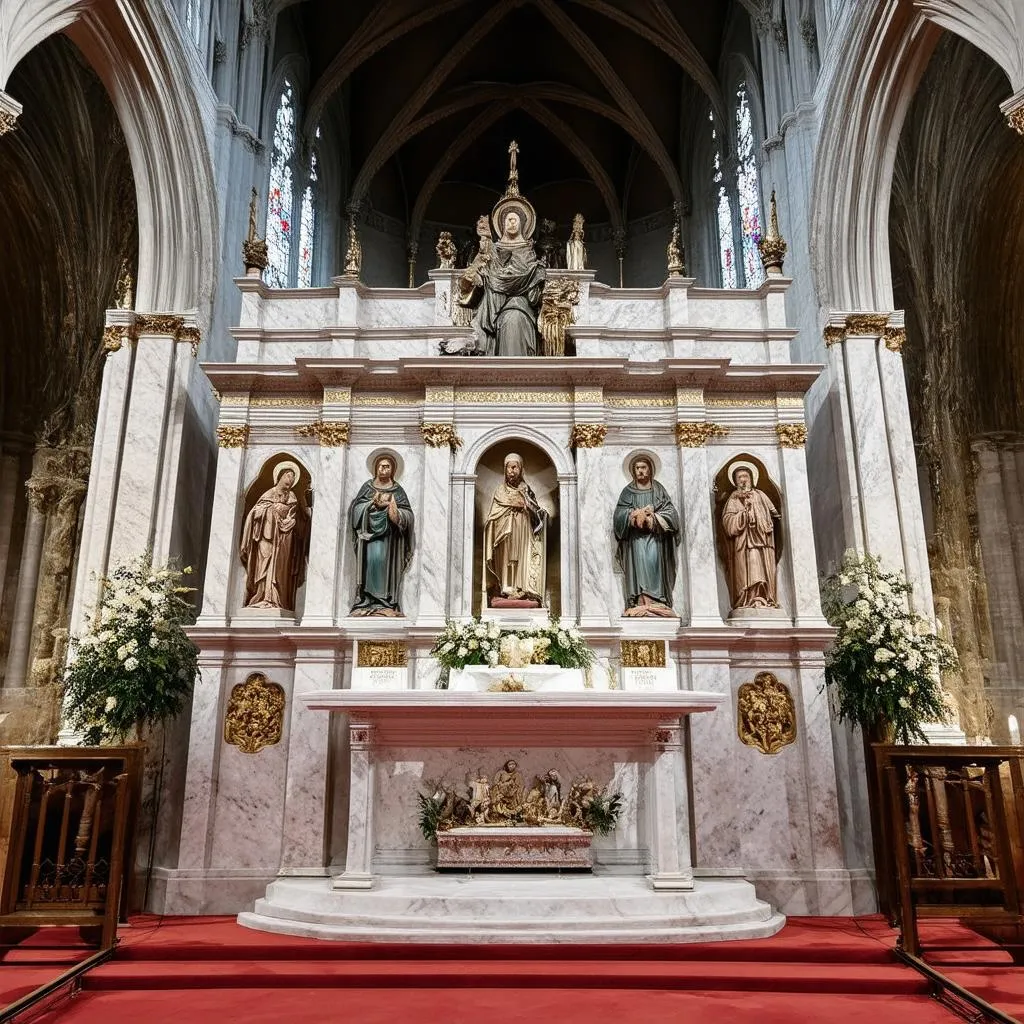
<point x="647" y="530"/>
<point x="514" y="541"/>
<point x="275" y="543"/>
<point x="381" y="519"/>
<point x="766" y="714"/>
<point x="507" y="793"/>
<point x="575" y="250"/>
<point x="748" y="522"/>
<point x="505" y="282"/>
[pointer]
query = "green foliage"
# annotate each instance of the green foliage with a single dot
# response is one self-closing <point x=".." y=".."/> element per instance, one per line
<point x="602" y="813"/>
<point x="134" y="666"/>
<point x="430" y="815"/>
<point x="885" y="665"/>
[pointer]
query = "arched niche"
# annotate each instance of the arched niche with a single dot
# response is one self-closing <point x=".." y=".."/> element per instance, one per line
<point x="303" y="491"/>
<point x="540" y="473"/>
<point x="722" y="489"/>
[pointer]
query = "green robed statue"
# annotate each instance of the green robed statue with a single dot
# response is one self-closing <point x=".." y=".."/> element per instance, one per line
<point x="381" y="519"/>
<point x="647" y="529"/>
<point x="505" y="282"/>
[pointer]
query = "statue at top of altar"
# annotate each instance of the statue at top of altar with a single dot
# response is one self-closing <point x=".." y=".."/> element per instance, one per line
<point x="748" y="522"/>
<point x="647" y="530"/>
<point x="505" y="281"/>
<point x="275" y="543"/>
<point x="382" y="531"/>
<point x="515" y="538"/>
<point x="575" y="250"/>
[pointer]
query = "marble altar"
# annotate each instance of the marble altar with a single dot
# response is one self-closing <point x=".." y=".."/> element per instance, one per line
<point x="689" y="380"/>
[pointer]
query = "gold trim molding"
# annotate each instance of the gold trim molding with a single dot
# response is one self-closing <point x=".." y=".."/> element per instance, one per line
<point x="330" y="435"/>
<point x="791" y="435"/>
<point x="1014" y="118"/>
<point x="440" y="435"/>
<point x="865" y="325"/>
<point x="339" y="395"/>
<point x="255" y="714"/>
<point x="440" y="395"/>
<point x="765" y="714"/>
<point x="114" y="336"/>
<point x="642" y="653"/>
<point x="166" y="325"/>
<point x="382" y="654"/>
<point x="587" y="435"/>
<point x="513" y="397"/>
<point x="233" y="436"/>
<point x="8" y="122"/>
<point x="894" y="338"/>
<point x="696" y="435"/>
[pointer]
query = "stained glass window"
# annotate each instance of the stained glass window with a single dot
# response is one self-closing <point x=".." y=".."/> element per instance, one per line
<point x="749" y="191"/>
<point x="279" y="193"/>
<point x="726" y="242"/>
<point x="307" y="224"/>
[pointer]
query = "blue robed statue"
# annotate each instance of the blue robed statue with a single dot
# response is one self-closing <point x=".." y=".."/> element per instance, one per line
<point x="647" y="530"/>
<point x="381" y="519"/>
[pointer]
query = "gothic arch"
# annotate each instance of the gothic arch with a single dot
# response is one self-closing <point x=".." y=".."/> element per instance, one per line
<point x="137" y="53"/>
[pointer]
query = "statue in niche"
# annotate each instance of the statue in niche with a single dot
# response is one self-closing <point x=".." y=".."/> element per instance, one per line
<point x="515" y="538"/>
<point x="575" y="250"/>
<point x="505" y="281"/>
<point x="647" y="530"/>
<point x="275" y="543"/>
<point x="382" y="531"/>
<point x="748" y="523"/>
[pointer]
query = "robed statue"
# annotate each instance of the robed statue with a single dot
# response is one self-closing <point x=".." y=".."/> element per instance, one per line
<point x="275" y="543"/>
<point x="748" y="521"/>
<point x="647" y="530"/>
<point x="381" y="519"/>
<point x="515" y="538"/>
<point x="505" y="281"/>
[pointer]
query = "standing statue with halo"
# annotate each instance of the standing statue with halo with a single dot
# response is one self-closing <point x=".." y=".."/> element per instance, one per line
<point x="505" y="282"/>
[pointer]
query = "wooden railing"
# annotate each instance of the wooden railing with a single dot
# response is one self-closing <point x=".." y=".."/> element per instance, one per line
<point x="67" y="820"/>
<point x="951" y="831"/>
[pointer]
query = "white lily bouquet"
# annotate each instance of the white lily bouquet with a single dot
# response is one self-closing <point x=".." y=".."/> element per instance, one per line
<point x="886" y="663"/>
<point x="479" y="642"/>
<point x="134" y="666"/>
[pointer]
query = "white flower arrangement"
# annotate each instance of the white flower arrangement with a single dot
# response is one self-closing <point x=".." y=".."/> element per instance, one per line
<point x="886" y="662"/>
<point x="134" y="665"/>
<point x="478" y="642"/>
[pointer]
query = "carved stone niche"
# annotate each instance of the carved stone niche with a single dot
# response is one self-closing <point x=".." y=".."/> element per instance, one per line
<point x="723" y="490"/>
<point x="765" y="714"/>
<point x="254" y="718"/>
<point x="293" y="543"/>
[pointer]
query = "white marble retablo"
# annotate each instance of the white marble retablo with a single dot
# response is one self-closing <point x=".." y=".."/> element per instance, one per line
<point x="555" y="846"/>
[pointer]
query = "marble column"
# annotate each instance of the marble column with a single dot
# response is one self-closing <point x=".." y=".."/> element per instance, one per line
<point x="434" y="518"/>
<point x="799" y="536"/>
<point x="143" y="447"/>
<point x="10" y="480"/>
<point x="304" y="830"/>
<point x="25" y="598"/>
<point x="599" y="605"/>
<point x="358" y="872"/>
<point x="671" y="867"/>
<point x="204" y="750"/>
<point x="461" y="597"/>
<point x="568" y="511"/>
<point x="326" y="530"/>
<point x="698" y="546"/>
<point x="874" y="446"/>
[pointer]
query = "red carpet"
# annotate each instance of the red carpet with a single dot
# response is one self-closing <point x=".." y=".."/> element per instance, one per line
<point x="210" y="969"/>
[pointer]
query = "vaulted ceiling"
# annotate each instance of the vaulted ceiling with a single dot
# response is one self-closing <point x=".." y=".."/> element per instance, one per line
<point x="596" y="92"/>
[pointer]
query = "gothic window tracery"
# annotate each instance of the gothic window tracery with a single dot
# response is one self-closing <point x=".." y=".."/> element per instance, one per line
<point x="726" y="242"/>
<point x="307" y="223"/>
<point x="749" y="191"/>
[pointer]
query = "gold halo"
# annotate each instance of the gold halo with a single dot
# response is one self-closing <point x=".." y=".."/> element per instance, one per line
<point x="522" y="206"/>
<point x="396" y="460"/>
<point x="742" y="464"/>
<point x="642" y="453"/>
<point x="282" y="466"/>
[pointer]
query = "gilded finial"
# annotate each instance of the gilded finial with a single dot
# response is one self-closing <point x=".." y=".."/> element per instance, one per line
<point x="513" y="171"/>
<point x="254" y="250"/>
<point x="354" y="252"/>
<point x="773" y="246"/>
<point x="674" y="253"/>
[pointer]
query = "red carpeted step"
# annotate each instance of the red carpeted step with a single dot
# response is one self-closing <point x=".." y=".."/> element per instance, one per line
<point x="706" y="976"/>
<point x="495" y="1006"/>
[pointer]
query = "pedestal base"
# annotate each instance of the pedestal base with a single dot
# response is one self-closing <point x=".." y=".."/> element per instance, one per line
<point x="514" y="908"/>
